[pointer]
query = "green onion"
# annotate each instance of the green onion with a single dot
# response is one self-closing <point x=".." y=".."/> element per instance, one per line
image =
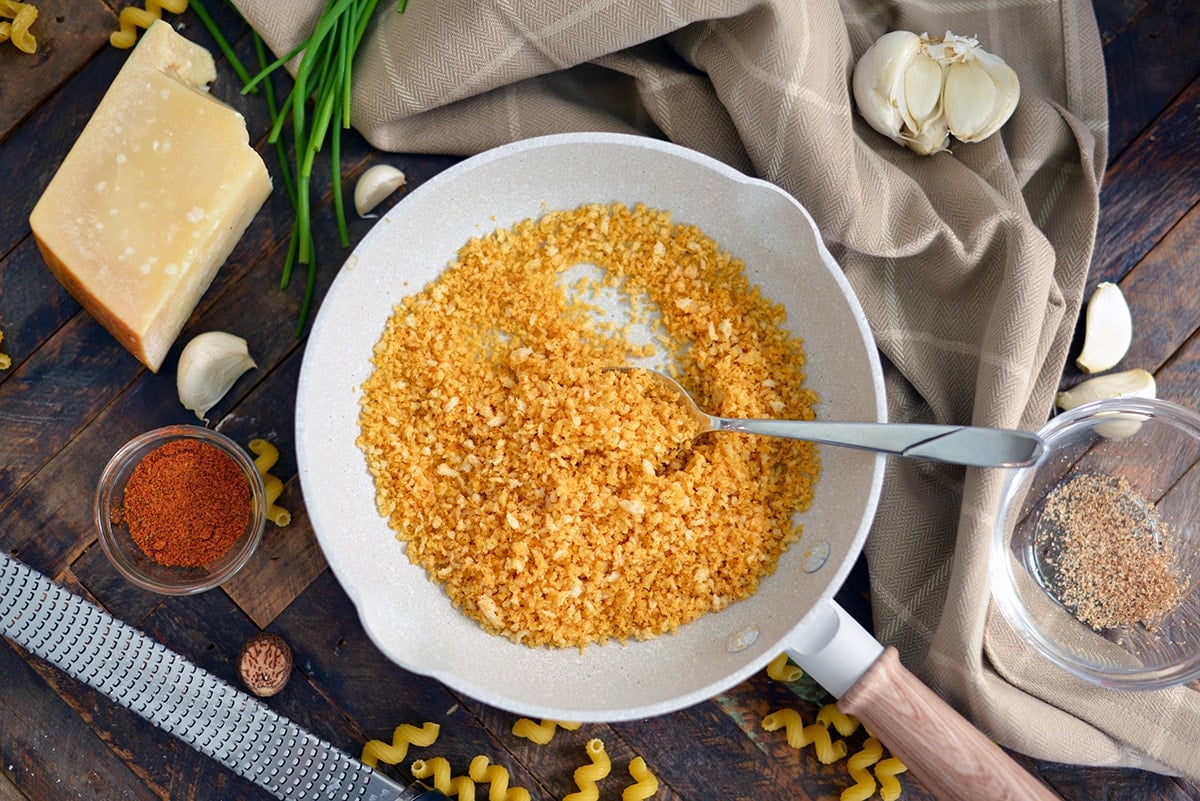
<point x="324" y="79"/>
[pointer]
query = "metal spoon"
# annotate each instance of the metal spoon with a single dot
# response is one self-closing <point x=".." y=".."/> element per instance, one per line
<point x="966" y="445"/>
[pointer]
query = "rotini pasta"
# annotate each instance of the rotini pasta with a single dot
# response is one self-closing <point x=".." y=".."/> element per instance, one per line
<point x="886" y="771"/>
<point x="496" y="776"/>
<point x="831" y="715"/>
<point x="265" y="457"/>
<point x="438" y="768"/>
<point x="859" y="765"/>
<point x="799" y="735"/>
<point x="406" y="734"/>
<point x="541" y="733"/>
<point x="132" y="18"/>
<point x="645" y="782"/>
<point x="588" y="776"/>
<point x="780" y="669"/>
<point x="23" y="16"/>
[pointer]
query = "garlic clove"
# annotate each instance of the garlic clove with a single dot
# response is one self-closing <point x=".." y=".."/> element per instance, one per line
<point x="922" y="92"/>
<point x="1108" y="330"/>
<point x="374" y="186"/>
<point x="1136" y="383"/>
<point x="878" y="81"/>
<point x="933" y="138"/>
<point x="208" y="366"/>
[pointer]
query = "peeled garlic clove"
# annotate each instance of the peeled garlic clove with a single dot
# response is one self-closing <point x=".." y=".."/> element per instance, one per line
<point x="1108" y="330"/>
<point x="374" y="186"/>
<point x="1136" y="383"/>
<point x="208" y="366"/>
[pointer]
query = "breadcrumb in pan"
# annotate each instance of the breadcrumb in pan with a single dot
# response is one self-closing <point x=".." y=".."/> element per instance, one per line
<point x="560" y="503"/>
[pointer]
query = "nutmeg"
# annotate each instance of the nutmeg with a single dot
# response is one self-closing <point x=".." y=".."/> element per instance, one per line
<point x="265" y="664"/>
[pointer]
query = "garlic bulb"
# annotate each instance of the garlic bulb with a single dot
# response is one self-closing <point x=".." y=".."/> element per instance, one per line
<point x="918" y="90"/>
<point x="374" y="185"/>
<point x="208" y="366"/>
<point x="1108" y="330"/>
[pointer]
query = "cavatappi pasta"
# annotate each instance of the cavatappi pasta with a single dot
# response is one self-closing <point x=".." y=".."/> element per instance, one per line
<point x="830" y="715"/>
<point x="799" y="735"/>
<point x="886" y="771"/>
<point x="497" y="778"/>
<point x="780" y="669"/>
<point x="859" y="765"/>
<point x="132" y="18"/>
<point x="17" y="19"/>
<point x="541" y="733"/>
<point x="587" y="777"/>
<point x="404" y="735"/>
<point x="645" y="783"/>
<point x="5" y="359"/>
<point x="438" y="769"/>
<point x="265" y="457"/>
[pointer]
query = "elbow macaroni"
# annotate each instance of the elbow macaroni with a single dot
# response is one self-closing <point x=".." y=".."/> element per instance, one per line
<point x="266" y="455"/>
<point x="376" y="751"/>
<point x="541" y="733"/>
<point x="588" y="776"/>
<point x="23" y="16"/>
<point x="645" y="782"/>
<point x="132" y="18"/>
<point x="780" y="670"/>
<point x="858" y="765"/>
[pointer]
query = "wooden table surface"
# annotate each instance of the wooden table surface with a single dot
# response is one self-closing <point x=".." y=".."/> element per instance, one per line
<point x="73" y="396"/>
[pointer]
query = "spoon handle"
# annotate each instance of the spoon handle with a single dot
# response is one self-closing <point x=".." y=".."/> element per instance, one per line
<point x="967" y="445"/>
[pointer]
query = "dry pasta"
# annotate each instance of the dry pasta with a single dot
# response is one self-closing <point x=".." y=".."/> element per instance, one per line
<point x="496" y="776"/>
<point x="780" y="669"/>
<point x="265" y="456"/>
<point x="541" y="733"/>
<point x="438" y="768"/>
<point x="645" y="782"/>
<point x="587" y="776"/>
<point x="799" y="735"/>
<point x="406" y="734"/>
<point x="23" y="16"/>
<point x="132" y="18"/>
<point x="858" y="765"/>
<point x="886" y="771"/>
<point x="831" y="715"/>
<point x="5" y="359"/>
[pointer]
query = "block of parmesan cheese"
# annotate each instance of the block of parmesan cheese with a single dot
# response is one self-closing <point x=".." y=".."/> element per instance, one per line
<point x="152" y="197"/>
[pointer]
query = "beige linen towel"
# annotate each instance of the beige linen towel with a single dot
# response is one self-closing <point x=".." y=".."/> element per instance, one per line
<point x="970" y="265"/>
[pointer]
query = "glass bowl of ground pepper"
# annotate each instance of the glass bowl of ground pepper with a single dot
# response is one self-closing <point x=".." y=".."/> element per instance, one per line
<point x="180" y="509"/>
<point x="1096" y="553"/>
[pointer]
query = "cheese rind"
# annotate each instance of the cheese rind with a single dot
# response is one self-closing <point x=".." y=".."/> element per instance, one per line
<point x="153" y="196"/>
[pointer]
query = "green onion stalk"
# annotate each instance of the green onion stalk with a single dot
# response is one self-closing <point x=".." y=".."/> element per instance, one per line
<point x="322" y="81"/>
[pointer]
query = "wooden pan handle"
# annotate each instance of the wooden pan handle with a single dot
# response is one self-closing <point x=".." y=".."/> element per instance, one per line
<point x="950" y="756"/>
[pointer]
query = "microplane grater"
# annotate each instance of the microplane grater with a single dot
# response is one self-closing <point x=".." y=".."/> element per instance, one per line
<point x="181" y="698"/>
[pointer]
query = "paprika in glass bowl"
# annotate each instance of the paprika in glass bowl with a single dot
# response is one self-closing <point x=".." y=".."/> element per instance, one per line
<point x="180" y="509"/>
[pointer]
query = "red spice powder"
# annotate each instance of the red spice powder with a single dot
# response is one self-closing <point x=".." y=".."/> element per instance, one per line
<point x="186" y="503"/>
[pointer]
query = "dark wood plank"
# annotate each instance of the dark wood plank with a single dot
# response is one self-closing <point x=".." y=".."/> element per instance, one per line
<point x="69" y="32"/>
<point x="1141" y="83"/>
<point x="1148" y="188"/>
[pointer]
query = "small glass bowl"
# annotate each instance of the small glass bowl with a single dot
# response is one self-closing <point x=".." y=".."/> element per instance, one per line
<point x="1155" y="446"/>
<point x="125" y="554"/>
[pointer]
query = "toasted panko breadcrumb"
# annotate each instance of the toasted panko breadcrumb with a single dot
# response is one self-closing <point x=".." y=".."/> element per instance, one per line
<point x="561" y="503"/>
